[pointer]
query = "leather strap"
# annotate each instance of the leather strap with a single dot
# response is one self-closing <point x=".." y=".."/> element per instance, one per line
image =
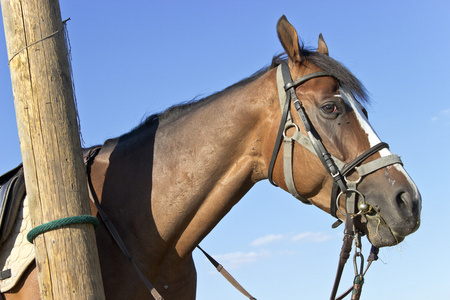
<point x="372" y="257"/>
<point x="284" y="117"/>
<point x="288" y="172"/>
<point x="363" y="169"/>
<point x="365" y="155"/>
<point x="227" y="275"/>
<point x="378" y="164"/>
<point x="112" y="229"/>
<point x="305" y="142"/>
<point x="349" y="234"/>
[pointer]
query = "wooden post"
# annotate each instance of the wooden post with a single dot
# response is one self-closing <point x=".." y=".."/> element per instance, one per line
<point x="67" y="258"/>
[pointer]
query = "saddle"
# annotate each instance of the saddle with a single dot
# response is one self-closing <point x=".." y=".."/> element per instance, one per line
<point x="12" y="193"/>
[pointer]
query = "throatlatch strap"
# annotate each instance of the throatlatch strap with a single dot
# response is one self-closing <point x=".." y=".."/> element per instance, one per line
<point x="288" y="143"/>
<point x="284" y="117"/>
<point x="288" y="172"/>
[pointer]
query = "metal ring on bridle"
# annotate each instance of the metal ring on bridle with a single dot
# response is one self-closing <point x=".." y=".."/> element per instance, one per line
<point x="289" y="126"/>
<point x="357" y="181"/>
<point x="348" y="191"/>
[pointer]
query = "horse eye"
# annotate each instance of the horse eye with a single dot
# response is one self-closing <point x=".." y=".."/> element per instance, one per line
<point x="330" y="109"/>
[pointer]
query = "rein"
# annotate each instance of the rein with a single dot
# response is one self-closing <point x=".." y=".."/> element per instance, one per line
<point x="355" y="203"/>
<point x="89" y="160"/>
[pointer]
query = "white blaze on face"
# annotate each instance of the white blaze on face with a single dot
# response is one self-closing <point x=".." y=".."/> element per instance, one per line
<point x="357" y="108"/>
<point x="371" y="135"/>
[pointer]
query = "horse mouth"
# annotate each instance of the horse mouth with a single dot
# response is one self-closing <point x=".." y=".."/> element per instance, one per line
<point x="379" y="233"/>
<point x="388" y="226"/>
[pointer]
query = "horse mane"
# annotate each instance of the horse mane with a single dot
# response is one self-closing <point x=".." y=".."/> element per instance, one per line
<point x="336" y="69"/>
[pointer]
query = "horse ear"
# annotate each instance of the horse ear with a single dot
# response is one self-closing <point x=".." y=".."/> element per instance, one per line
<point x="322" y="48"/>
<point x="289" y="40"/>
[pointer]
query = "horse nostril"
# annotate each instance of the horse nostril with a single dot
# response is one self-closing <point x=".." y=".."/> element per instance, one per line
<point x="404" y="200"/>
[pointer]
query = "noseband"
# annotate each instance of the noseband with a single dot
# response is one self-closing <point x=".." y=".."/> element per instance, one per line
<point x="337" y="169"/>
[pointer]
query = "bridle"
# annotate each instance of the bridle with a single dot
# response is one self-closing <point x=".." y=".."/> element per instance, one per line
<point x="355" y="203"/>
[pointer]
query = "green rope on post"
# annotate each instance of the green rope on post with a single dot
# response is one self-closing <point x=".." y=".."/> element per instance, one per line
<point x="56" y="224"/>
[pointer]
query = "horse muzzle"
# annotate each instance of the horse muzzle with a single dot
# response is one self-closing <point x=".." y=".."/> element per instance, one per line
<point x="394" y="214"/>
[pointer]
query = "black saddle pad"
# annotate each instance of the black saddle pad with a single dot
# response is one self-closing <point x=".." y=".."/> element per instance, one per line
<point x="12" y="193"/>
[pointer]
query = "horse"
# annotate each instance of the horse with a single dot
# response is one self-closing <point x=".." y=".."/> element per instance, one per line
<point x="169" y="181"/>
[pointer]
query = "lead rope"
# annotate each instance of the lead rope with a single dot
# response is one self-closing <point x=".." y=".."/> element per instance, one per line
<point x="112" y="229"/>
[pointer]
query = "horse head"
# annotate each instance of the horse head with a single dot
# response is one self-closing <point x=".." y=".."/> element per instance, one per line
<point x="332" y="125"/>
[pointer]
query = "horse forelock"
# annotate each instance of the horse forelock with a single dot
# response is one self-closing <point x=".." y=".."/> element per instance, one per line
<point x="339" y="71"/>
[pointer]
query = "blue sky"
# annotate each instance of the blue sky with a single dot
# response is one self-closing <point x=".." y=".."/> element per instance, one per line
<point x="135" y="58"/>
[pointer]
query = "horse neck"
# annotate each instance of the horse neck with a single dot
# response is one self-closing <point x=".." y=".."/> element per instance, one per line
<point x="179" y="179"/>
<point x="206" y="161"/>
